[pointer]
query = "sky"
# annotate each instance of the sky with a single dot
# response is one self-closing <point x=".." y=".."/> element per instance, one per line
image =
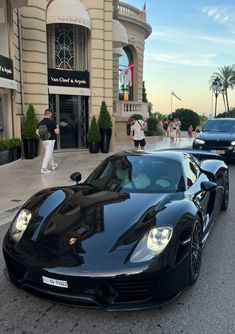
<point x="190" y="39"/>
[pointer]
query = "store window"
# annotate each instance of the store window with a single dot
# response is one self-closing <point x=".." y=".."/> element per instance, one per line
<point x="67" y="47"/>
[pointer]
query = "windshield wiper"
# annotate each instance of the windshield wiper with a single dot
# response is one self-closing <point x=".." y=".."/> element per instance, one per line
<point x="87" y="184"/>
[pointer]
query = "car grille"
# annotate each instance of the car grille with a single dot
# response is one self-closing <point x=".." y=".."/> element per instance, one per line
<point x="217" y="144"/>
<point x="134" y="288"/>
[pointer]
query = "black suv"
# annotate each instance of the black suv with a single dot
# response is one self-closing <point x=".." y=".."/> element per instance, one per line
<point x="218" y="136"/>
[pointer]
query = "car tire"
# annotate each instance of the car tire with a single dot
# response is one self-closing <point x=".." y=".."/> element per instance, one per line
<point x="225" y="201"/>
<point x="195" y="253"/>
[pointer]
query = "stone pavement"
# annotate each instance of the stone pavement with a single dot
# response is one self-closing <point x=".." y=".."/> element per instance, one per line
<point x="21" y="179"/>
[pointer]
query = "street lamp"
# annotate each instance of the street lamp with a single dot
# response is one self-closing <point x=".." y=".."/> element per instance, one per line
<point x="217" y="88"/>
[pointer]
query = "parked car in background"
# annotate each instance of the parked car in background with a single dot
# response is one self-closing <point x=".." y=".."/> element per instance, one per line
<point x="129" y="237"/>
<point x="218" y="136"/>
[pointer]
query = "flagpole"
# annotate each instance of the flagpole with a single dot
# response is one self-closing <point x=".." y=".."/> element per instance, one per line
<point x="171" y="104"/>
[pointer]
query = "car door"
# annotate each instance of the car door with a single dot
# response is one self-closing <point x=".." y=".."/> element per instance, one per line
<point x="194" y="178"/>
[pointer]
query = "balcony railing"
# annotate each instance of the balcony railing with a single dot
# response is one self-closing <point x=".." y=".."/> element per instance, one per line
<point x="128" y="10"/>
<point x="127" y="109"/>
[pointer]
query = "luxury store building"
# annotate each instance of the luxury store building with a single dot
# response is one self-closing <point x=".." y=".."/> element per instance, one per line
<point x="71" y="55"/>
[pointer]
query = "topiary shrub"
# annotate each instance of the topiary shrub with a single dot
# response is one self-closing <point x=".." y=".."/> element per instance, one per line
<point x="29" y="124"/>
<point x="4" y="144"/>
<point x="14" y="143"/>
<point x="152" y="126"/>
<point x="104" y="120"/>
<point x="93" y="135"/>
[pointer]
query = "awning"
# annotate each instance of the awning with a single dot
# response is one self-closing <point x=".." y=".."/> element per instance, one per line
<point x="19" y="3"/>
<point x="6" y="83"/>
<point x="74" y="12"/>
<point x="69" y="91"/>
<point x="120" y="37"/>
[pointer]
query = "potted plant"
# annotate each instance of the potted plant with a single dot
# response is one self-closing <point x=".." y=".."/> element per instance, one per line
<point x="30" y="140"/>
<point x="15" y="148"/>
<point x="4" y="151"/>
<point x="93" y="136"/>
<point x="105" y="125"/>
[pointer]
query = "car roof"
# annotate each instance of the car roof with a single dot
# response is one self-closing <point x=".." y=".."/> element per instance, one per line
<point x="221" y="119"/>
<point x="166" y="154"/>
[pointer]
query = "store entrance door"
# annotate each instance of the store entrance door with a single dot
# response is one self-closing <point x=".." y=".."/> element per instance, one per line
<point x="71" y="113"/>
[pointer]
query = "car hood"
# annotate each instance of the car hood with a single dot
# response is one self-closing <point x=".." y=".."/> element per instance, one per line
<point x="69" y="228"/>
<point x="216" y="136"/>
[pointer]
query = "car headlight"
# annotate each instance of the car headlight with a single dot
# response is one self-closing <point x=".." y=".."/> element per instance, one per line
<point x="20" y="224"/>
<point x="152" y="244"/>
<point x="233" y="143"/>
<point x="199" y="141"/>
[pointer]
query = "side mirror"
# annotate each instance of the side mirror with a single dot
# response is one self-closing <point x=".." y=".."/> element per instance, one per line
<point x="76" y="177"/>
<point x="208" y="186"/>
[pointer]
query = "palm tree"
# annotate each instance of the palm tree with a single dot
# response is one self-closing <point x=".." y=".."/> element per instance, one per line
<point x="226" y="75"/>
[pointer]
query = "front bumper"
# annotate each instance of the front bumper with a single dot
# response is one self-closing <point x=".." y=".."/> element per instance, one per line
<point x="225" y="151"/>
<point x="120" y="292"/>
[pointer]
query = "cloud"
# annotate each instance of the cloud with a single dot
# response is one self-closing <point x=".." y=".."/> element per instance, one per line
<point x="195" y="60"/>
<point x="180" y="36"/>
<point x="221" y="14"/>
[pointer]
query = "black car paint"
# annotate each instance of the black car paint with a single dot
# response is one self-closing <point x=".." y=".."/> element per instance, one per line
<point x="217" y="140"/>
<point x="107" y="231"/>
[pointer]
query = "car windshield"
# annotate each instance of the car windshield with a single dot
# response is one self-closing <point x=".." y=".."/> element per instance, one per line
<point x="146" y="174"/>
<point x="220" y="126"/>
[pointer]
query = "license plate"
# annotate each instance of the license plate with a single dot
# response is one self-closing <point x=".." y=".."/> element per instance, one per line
<point x="55" y="282"/>
<point x="218" y="151"/>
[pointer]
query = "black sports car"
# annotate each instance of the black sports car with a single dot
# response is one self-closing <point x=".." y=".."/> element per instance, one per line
<point x="129" y="237"/>
<point x="217" y="135"/>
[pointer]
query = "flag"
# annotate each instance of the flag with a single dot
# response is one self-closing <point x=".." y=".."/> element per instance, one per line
<point x="144" y="8"/>
<point x="173" y="94"/>
<point x="126" y="75"/>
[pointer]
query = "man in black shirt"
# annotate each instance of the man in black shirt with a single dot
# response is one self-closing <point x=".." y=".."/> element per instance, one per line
<point x="47" y="131"/>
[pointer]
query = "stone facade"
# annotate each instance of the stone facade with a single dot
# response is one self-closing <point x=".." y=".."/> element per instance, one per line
<point x="28" y="50"/>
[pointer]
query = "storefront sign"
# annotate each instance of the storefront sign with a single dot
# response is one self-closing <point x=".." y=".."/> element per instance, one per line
<point x="67" y="78"/>
<point x="6" y="68"/>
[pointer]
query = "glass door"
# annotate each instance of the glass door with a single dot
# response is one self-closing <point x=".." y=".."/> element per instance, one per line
<point x="71" y="113"/>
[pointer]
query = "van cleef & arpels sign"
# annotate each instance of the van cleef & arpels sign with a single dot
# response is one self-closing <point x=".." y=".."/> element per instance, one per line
<point x="67" y="78"/>
<point x="6" y="68"/>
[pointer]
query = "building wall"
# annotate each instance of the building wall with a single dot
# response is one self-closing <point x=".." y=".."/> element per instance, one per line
<point x="101" y="68"/>
<point x="34" y="47"/>
<point x="29" y="53"/>
<point x="34" y="55"/>
<point x="136" y="38"/>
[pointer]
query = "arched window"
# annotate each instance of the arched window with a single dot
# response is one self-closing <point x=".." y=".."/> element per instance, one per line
<point x="126" y="75"/>
<point x="67" y="46"/>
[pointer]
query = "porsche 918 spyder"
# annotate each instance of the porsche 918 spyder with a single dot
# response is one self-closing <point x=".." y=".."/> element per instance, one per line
<point x="129" y="237"/>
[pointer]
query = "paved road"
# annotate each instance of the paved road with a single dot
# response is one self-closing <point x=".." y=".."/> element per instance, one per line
<point x="208" y="307"/>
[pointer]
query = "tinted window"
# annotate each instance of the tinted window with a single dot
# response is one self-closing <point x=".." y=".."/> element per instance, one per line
<point x="191" y="171"/>
<point x="138" y="174"/>
<point x="220" y="126"/>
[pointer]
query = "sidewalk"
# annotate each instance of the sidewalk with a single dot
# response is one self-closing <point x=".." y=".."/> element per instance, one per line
<point x="21" y="179"/>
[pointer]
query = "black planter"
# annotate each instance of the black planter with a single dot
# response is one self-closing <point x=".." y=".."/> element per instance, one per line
<point x="128" y="129"/>
<point x="105" y="139"/>
<point x="4" y="157"/>
<point x="94" y="147"/>
<point x="30" y="148"/>
<point x="15" y="153"/>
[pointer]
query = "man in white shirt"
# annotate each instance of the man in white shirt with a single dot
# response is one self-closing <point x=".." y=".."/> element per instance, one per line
<point x="137" y="133"/>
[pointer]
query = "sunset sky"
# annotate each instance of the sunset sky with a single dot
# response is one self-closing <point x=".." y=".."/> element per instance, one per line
<point x="190" y="40"/>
